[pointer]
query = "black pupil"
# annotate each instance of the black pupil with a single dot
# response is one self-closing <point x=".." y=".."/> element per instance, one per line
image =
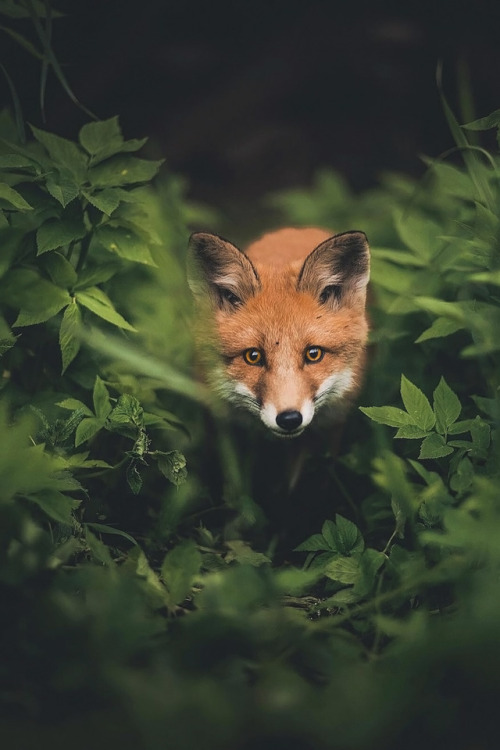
<point x="253" y="355"/>
<point x="313" y="353"/>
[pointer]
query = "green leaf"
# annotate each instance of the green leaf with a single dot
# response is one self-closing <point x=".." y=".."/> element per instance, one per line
<point x="389" y="415"/>
<point x="134" y="479"/>
<point x="411" y="432"/>
<point x="343" y="570"/>
<point x="314" y="543"/>
<point x="100" y="553"/>
<point x="15" y="199"/>
<point x="38" y="299"/>
<point x="63" y="152"/>
<point x="102" y="402"/>
<point x="97" y="136"/>
<point x="109" y="199"/>
<point x="123" y="170"/>
<point x="434" y="446"/>
<point x="343" y="536"/>
<point x="104" y="529"/>
<point x="128" y="411"/>
<point x="419" y="233"/>
<point x="178" y="570"/>
<point x="87" y="429"/>
<point x="241" y="552"/>
<point x="57" y="506"/>
<point x="92" y="275"/>
<point x="73" y="405"/>
<point x="6" y="344"/>
<point x="462" y="479"/>
<point x="440" y="328"/>
<point x="125" y="243"/>
<point x="104" y="139"/>
<point x="62" y="187"/>
<point x="68" y="335"/>
<point x="369" y="564"/>
<point x="59" y="232"/>
<point x="172" y="465"/>
<point x="484" y="123"/>
<point x="99" y="303"/>
<point x="447" y="406"/>
<point x="417" y="405"/>
<point x="60" y="270"/>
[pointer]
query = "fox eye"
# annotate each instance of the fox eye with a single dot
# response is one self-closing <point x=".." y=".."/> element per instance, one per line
<point x="227" y="295"/>
<point x="314" y="354"/>
<point x="253" y="357"/>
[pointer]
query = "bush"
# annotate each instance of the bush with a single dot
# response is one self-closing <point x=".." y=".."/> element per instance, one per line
<point x="147" y="606"/>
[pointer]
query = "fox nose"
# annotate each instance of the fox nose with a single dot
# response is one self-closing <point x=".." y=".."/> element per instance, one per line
<point x="289" y="420"/>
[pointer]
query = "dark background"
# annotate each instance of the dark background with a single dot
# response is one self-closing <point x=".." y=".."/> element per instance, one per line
<point x="251" y="97"/>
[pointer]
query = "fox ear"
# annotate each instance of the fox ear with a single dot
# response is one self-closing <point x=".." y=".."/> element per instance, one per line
<point x="220" y="270"/>
<point x="338" y="270"/>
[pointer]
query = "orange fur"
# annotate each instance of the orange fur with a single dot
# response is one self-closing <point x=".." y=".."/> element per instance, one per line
<point x="301" y="289"/>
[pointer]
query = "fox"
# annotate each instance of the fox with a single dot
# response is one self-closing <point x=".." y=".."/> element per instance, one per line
<point x="283" y="325"/>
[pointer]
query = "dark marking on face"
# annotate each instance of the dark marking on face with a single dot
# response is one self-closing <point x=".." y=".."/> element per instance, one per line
<point x="277" y="343"/>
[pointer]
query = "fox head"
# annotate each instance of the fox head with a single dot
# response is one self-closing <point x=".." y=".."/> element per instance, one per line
<point x="286" y="321"/>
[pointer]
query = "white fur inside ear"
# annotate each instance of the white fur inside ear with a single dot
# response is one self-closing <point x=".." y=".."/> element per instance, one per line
<point x="334" y="387"/>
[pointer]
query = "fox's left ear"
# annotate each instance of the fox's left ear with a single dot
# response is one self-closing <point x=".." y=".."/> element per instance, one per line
<point x="338" y="270"/>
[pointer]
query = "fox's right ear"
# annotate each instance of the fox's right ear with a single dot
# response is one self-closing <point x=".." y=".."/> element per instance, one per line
<point x="218" y="269"/>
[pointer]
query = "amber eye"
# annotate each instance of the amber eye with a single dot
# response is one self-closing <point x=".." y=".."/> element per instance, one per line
<point x="253" y="357"/>
<point x="314" y="354"/>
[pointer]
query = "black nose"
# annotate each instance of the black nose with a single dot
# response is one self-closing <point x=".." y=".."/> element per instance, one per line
<point x="289" y="420"/>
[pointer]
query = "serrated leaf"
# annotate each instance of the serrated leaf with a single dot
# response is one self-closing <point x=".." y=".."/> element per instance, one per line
<point x="98" y="550"/>
<point x="56" y="233"/>
<point x="447" y="406"/>
<point x="102" y="402"/>
<point x="68" y="335"/>
<point x="343" y="536"/>
<point x="369" y="564"/>
<point x="463" y="477"/>
<point x="179" y="568"/>
<point x="87" y="429"/>
<point x="242" y="552"/>
<point x="109" y="199"/>
<point x="125" y="243"/>
<point x="411" y="432"/>
<point x="417" y="405"/>
<point x="37" y="298"/>
<point x="388" y="415"/>
<point x="15" y="199"/>
<point x="134" y="479"/>
<point x="95" y="300"/>
<point x="434" y="446"/>
<point x="314" y="543"/>
<point x="123" y="170"/>
<point x="172" y="465"/>
<point x="440" y="328"/>
<point x="63" y="152"/>
<point x="92" y="275"/>
<point x="60" y="270"/>
<point x="74" y="404"/>
<point x="17" y="161"/>
<point x="57" y="506"/>
<point x="104" y="139"/>
<point x="6" y="344"/>
<point x="343" y="569"/>
<point x="62" y="187"/>
<point x="128" y="411"/>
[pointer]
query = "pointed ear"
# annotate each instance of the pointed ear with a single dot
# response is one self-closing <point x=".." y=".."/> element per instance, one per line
<point x="219" y="270"/>
<point x="338" y="270"/>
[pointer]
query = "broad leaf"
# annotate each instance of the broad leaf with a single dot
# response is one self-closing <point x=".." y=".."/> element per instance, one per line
<point x="15" y="199"/>
<point x="179" y="568"/>
<point x="63" y="152"/>
<point x="434" y="446"/>
<point x="447" y="406"/>
<point x="95" y="300"/>
<point x="417" y="405"/>
<point x="123" y="170"/>
<point x="389" y="415"/>
<point x="124" y="243"/>
<point x="57" y="506"/>
<point x="60" y="270"/>
<point x="68" y="335"/>
<point x="58" y="232"/>
<point x="86" y="430"/>
<point x="102" y="403"/>
<point x="173" y="466"/>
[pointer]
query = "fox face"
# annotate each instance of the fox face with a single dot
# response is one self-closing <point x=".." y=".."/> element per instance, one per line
<point x="283" y="326"/>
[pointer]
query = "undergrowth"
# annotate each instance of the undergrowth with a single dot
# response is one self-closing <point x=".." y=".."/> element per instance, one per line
<point x="147" y="597"/>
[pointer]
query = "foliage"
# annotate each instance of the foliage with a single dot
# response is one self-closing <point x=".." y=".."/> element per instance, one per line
<point x="144" y="599"/>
